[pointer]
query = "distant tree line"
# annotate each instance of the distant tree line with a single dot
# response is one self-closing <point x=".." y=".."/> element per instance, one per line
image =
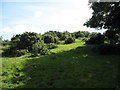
<point x="40" y="44"/>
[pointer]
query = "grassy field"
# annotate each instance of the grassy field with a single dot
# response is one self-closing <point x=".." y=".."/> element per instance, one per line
<point x="71" y="66"/>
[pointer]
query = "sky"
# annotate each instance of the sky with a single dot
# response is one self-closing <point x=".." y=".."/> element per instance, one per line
<point x="18" y="16"/>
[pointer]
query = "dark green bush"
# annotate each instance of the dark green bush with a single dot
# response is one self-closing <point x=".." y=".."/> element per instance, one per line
<point x="5" y="42"/>
<point x="21" y="52"/>
<point x="25" y="40"/>
<point x="7" y="52"/>
<point x="56" y="40"/>
<point x="69" y="40"/>
<point x="78" y="34"/>
<point x="14" y="53"/>
<point x="84" y="39"/>
<point x="107" y="49"/>
<point x="65" y="35"/>
<point x="97" y="39"/>
<point x="48" y="38"/>
<point x="51" y="46"/>
<point x="21" y="44"/>
<point x="39" y="48"/>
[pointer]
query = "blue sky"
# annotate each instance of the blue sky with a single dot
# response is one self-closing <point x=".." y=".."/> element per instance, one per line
<point x="42" y="15"/>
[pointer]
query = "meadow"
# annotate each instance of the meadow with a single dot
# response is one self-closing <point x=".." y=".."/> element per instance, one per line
<point x="69" y="66"/>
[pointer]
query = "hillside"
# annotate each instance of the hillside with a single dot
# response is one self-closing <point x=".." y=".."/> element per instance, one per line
<point x="69" y="66"/>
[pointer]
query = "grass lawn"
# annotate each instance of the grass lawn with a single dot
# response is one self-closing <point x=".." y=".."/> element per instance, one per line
<point x="72" y="66"/>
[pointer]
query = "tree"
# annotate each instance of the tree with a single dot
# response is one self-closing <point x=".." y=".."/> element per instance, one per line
<point x="105" y="15"/>
<point x="112" y="36"/>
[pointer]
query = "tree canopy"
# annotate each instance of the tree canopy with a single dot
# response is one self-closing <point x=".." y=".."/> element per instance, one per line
<point x="105" y="15"/>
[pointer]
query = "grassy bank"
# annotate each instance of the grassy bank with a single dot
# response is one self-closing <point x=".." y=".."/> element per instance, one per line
<point x="71" y="66"/>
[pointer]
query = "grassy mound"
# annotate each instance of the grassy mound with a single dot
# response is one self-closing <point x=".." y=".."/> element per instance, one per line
<point x="71" y="66"/>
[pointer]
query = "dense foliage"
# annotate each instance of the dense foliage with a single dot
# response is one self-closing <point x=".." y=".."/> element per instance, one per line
<point x="22" y="42"/>
<point x="25" y="40"/>
<point x="39" y="48"/>
<point x="81" y="34"/>
<point x="48" y="38"/>
<point x="51" y="46"/>
<point x="96" y="39"/>
<point x="107" y="49"/>
<point x="69" y="40"/>
<point x="112" y="36"/>
<point x="37" y="44"/>
<point x="105" y="15"/>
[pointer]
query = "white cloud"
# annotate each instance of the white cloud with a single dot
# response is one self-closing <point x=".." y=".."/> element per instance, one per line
<point x="6" y="29"/>
<point x="3" y="17"/>
<point x="59" y="15"/>
<point x="38" y="14"/>
<point x="18" y="29"/>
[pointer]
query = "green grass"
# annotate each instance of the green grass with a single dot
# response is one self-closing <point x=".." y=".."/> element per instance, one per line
<point x="66" y="47"/>
<point x="73" y="66"/>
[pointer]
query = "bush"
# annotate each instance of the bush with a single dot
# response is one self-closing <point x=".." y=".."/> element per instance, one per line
<point x="25" y="40"/>
<point x="5" y="42"/>
<point x="107" y="49"/>
<point x="51" y="46"/>
<point x="84" y="39"/>
<point x="78" y="34"/>
<point x="7" y="52"/>
<point x="97" y="39"/>
<point x="39" y="48"/>
<point x="69" y="40"/>
<point x="21" y="52"/>
<point x="48" y="39"/>
<point x="56" y="40"/>
<point x="14" y="53"/>
<point x="65" y="35"/>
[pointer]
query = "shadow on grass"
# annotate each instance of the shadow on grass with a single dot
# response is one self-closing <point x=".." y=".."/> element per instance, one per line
<point x="77" y="68"/>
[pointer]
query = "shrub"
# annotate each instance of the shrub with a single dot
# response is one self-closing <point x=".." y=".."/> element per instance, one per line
<point x="39" y="48"/>
<point x="65" y="35"/>
<point x="97" y="39"/>
<point x="56" y="40"/>
<point x="14" y="53"/>
<point x="7" y="52"/>
<point x="84" y="39"/>
<point x="48" y="39"/>
<point x="21" y="52"/>
<point x="78" y="34"/>
<point x="69" y="40"/>
<point x="51" y="46"/>
<point x="5" y="42"/>
<point x="107" y="49"/>
<point x="25" y="40"/>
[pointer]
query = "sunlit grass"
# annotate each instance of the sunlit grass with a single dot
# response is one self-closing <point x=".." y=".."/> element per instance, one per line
<point x="65" y="47"/>
<point x="72" y="66"/>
